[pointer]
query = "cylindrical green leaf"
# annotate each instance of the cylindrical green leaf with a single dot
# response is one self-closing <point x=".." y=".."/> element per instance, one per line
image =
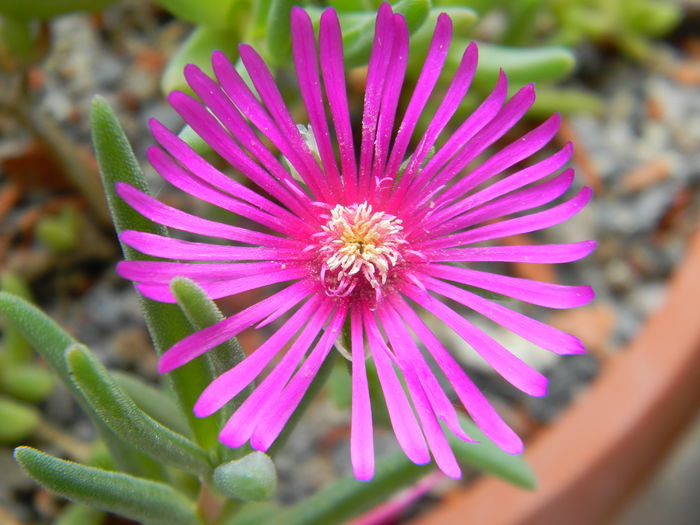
<point x="213" y="13"/>
<point x="129" y="422"/>
<point x="132" y="497"/>
<point x="253" y="477"/>
<point x="197" y="50"/>
<point x="341" y="500"/>
<point x="78" y="514"/>
<point x="278" y="43"/>
<point x="166" y="324"/>
<point x="17" y="348"/>
<point x="486" y="456"/>
<point x="26" y="381"/>
<point x="523" y="65"/>
<point x="152" y="401"/>
<point x="19" y="420"/>
<point x="50" y="340"/>
<point x="45" y="9"/>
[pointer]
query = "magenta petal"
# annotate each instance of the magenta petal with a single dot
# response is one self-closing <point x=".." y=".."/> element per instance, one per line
<point x="534" y="331"/>
<point x="408" y="357"/>
<point x="472" y="399"/>
<point x="534" y="292"/>
<point x="529" y="223"/>
<point x="432" y="67"/>
<point x="361" y="441"/>
<point x="240" y="426"/>
<point x="408" y="432"/>
<point x="199" y="342"/>
<point x="332" y="69"/>
<point x="537" y="253"/>
<point x="272" y="422"/>
<point x="229" y="384"/>
<point x="172" y="217"/>
<point x="167" y="247"/>
<point x="515" y="371"/>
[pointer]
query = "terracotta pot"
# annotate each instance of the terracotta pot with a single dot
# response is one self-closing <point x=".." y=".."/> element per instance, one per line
<point x="591" y="460"/>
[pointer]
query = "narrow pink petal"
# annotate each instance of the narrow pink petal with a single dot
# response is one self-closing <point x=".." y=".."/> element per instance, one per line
<point x="169" y="248"/>
<point x="232" y="382"/>
<point x="166" y="215"/>
<point x="474" y="402"/>
<point x="439" y="446"/>
<point x="512" y="182"/>
<point x="521" y="200"/>
<point x="512" y="369"/>
<point x="333" y="71"/>
<point x="481" y="116"/>
<point x="164" y="272"/>
<point x="390" y="100"/>
<point x="432" y="67"/>
<point x="455" y="93"/>
<point x="178" y="177"/>
<point x="272" y="421"/>
<point x="200" y="168"/>
<point x="408" y="356"/>
<point x="377" y="71"/>
<point x="534" y="292"/>
<point x="216" y="289"/>
<point x="209" y="128"/>
<point x="539" y="253"/>
<point x="528" y="223"/>
<point x="511" y="113"/>
<point x="298" y="153"/>
<point x="199" y="342"/>
<point x="536" y="332"/>
<point x="306" y="63"/>
<point x="240" y="426"/>
<point x="519" y="149"/>
<point x="361" y="439"/>
<point x="408" y="432"/>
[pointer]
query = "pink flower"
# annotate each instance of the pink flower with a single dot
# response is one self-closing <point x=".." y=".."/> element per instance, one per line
<point x="370" y="243"/>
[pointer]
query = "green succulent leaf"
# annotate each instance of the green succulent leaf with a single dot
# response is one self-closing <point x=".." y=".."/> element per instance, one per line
<point x="26" y="381"/>
<point x="152" y="401"/>
<point x="19" y="420"/>
<point x="252" y="477"/>
<point x="78" y="514"/>
<point x="121" y="415"/>
<point x="51" y="341"/>
<point x="486" y="456"/>
<point x="46" y="9"/>
<point x="197" y="50"/>
<point x="523" y="65"/>
<point x="213" y="13"/>
<point x="166" y="324"/>
<point x="278" y="44"/>
<point x="135" y="498"/>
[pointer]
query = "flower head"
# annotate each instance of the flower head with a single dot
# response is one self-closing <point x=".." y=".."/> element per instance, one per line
<point x="372" y="239"/>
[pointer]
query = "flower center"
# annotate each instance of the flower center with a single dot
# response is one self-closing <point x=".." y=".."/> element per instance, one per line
<point x="359" y="247"/>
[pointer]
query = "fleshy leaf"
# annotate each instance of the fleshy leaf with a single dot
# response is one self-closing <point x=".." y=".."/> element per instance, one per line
<point x="45" y="9"/>
<point x="129" y="496"/>
<point x="19" y="420"/>
<point x="213" y="13"/>
<point x="129" y="422"/>
<point x="152" y="401"/>
<point x="252" y="477"/>
<point x="277" y="40"/>
<point x="50" y="341"/>
<point x="486" y="456"/>
<point x="78" y="514"/>
<point x="166" y="324"/>
<point x="197" y="49"/>
<point x="541" y="64"/>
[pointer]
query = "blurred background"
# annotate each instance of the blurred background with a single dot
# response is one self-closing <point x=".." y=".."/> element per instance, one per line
<point x="625" y="74"/>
